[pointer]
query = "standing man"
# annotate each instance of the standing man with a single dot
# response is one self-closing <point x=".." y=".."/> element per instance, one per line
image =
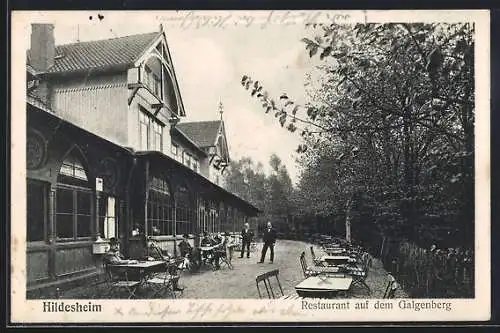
<point x="269" y="240"/>
<point x="246" y="239"/>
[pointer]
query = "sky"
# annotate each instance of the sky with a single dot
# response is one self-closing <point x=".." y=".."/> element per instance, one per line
<point x="210" y="61"/>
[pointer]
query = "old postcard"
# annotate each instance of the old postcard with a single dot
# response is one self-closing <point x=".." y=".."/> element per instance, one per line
<point x="250" y="166"/>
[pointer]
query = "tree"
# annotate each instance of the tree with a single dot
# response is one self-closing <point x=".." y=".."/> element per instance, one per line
<point x="271" y="193"/>
<point x="393" y="117"/>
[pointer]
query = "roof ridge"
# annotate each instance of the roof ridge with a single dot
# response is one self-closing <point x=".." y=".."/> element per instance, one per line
<point x="108" y="39"/>
<point x="201" y="121"/>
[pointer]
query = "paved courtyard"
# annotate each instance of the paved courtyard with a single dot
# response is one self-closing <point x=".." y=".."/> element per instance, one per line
<point x="240" y="281"/>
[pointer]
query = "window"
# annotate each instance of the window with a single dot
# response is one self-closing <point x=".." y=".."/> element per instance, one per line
<point x="157" y="136"/>
<point x="195" y="164"/>
<point x="73" y="201"/>
<point x="71" y="167"/>
<point x="144" y="121"/>
<point x="107" y="216"/>
<point x="213" y="224"/>
<point x="152" y="81"/>
<point x="230" y="219"/>
<point x="160" y="208"/>
<point x="156" y="85"/>
<point x="175" y="149"/>
<point x="147" y="125"/>
<point x="37" y="210"/>
<point x="224" y="220"/>
<point x="184" y="211"/>
<point x="187" y="160"/>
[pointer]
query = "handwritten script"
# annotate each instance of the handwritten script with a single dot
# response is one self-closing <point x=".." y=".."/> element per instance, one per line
<point x="201" y="311"/>
<point x="197" y="20"/>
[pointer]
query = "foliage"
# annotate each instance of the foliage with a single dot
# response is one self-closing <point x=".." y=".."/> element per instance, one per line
<point x="391" y="125"/>
<point x="272" y="193"/>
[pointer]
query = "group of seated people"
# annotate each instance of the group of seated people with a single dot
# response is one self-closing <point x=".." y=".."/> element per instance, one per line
<point x="190" y="257"/>
<point x="219" y="243"/>
<point x="150" y="251"/>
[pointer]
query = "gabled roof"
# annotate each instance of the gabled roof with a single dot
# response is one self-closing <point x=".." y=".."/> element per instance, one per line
<point x="203" y="133"/>
<point x="121" y="51"/>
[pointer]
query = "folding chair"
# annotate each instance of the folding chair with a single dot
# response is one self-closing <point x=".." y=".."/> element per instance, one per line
<point x="317" y="270"/>
<point x="117" y="278"/>
<point x="160" y="282"/>
<point x="226" y="256"/>
<point x="265" y="278"/>
<point x="360" y="274"/>
<point x="316" y="261"/>
<point x="392" y="286"/>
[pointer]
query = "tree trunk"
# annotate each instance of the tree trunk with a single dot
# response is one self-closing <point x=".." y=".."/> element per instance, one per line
<point x="348" y="220"/>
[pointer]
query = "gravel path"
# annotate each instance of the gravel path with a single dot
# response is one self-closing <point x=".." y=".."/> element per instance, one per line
<point x="240" y="281"/>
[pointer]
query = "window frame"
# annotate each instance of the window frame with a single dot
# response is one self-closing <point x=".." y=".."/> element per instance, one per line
<point x="74" y="213"/>
<point x="160" y="202"/>
<point x="157" y="133"/>
<point x="104" y="198"/>
<point x="186" y="159"/>
<point x="145" y="120"/>
<point x="176" y="146"/>
<point x="195" y="163"/>
<point x="185" y="211"/>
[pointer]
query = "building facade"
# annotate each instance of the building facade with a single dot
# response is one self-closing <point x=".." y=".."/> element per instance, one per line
<point x="109" y="155"/>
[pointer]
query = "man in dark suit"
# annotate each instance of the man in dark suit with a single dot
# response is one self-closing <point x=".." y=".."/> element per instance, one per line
<point x="246" y="239"/>
<point x="269" y="240"/>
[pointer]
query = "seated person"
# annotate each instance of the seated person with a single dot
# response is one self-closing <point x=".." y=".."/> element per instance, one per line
<point x="114" y="257"/>
<point x="207" y="240"/>
<point x="190" y="255"/>
<point x="219" y="239"/>
<point x="211" y="255"/>
<point x="223" y="242"/>
<point x="184" y="247"/>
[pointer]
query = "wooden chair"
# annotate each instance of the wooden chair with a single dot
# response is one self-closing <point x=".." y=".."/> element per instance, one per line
<point x="392" y="286"/>
<point x="316" y="270"/>
<point x="117" y="279"/>
<point x="316" y="261"/>
<point x="265" y="278"/>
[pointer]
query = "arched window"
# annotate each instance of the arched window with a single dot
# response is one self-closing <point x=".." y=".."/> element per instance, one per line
<point x="157" y="77"/>
<point x="73" y="199"/>
<point x="223" y="218"/>
<point x="160" y="208"/>
<point x="184" y="213"/>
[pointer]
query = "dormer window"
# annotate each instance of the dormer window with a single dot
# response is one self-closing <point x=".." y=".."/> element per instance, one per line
<point x="152" y="80"/>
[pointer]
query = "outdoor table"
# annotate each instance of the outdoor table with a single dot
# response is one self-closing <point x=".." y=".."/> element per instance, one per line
<point x="143" y="267"/>
<point x="141" y="264"/>
<point x="323" y="286"/>
<point x="337" y="260"/>
<point x="333" y="251"/>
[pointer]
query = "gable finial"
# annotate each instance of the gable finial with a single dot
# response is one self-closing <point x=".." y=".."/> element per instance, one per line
<point x="221" y="109"/>
<point x="161" y="27"/>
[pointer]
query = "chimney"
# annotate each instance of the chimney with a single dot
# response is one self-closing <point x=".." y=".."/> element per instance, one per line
<point x="43" y="48"/>
<point x="42" y="54"/>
